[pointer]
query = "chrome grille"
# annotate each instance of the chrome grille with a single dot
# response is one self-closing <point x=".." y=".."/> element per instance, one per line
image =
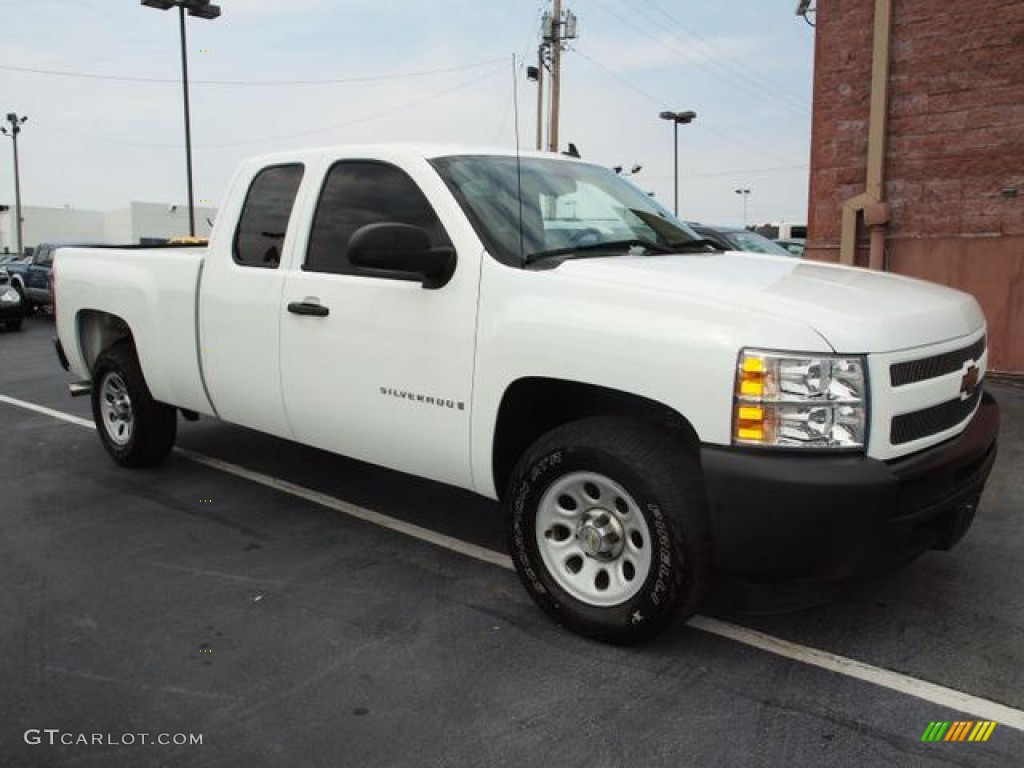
<point x="935" y="366"/>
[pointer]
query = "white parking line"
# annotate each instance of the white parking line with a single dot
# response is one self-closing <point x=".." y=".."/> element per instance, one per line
<point x="921" y="689"/>
<point x="367" y="515"/>
<point x="47" y="411"/>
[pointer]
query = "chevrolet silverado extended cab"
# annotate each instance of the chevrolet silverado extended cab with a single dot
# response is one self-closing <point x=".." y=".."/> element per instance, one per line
<point x="533" y="328"/>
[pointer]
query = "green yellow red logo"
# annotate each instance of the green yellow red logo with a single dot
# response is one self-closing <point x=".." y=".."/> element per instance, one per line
<point x="959" y="730"/>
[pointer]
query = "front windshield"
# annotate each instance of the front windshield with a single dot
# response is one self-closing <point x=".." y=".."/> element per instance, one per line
<point x="562" y="206"/>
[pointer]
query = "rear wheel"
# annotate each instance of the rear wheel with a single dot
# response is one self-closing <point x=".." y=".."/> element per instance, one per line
<point x="136" y="430"/>
<point x="15" y="325"/>
<point x="608" y="528"/>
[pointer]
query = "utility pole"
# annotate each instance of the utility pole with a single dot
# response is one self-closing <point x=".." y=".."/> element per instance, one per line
<point x="536" y="74"/>
<point x="556" y="73"/>
<point x="557" y="28"/>
<point x="16" y="123"/>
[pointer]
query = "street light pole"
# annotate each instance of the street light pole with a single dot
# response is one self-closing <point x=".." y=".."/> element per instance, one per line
<point x="677" y="119"/>
<point x="746" y="194"/>
<point x="16" y="123"/>
<point x="204" y="10"/>
<point x="188" y="125"/>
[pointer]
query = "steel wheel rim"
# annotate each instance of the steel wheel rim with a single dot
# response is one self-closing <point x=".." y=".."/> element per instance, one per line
<point x="116" y="409"/>
<point x="593" y="539"/>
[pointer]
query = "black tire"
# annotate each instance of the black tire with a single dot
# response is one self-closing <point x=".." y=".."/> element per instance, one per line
<point x="26" y="305"/>
<point x="648" y="473"/>
<point x="15" y="325"/>
<point x="118" y="384"/>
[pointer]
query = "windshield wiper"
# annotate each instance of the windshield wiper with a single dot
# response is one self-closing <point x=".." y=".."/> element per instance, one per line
<point x="700" y="244"/>
<point x="594" y="249"/>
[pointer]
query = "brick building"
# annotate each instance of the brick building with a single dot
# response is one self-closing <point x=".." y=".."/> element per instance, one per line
<point x="917" y="149"/>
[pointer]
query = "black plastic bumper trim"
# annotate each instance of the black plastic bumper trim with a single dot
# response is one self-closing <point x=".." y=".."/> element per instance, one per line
<point x="780" y="517"/>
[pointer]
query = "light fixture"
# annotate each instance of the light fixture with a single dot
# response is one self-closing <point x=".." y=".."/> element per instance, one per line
<point x="201" y="9"/>
<point x="677" y="119"/>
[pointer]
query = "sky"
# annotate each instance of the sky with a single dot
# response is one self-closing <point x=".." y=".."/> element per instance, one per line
<point x="100" y="83"/>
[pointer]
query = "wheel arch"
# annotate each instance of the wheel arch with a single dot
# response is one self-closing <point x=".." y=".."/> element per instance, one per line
<point x="532" y="406"/>
<point x="97" y="331"/>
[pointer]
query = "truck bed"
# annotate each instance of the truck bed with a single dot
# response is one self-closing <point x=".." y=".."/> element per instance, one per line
<point x="154" y="291"/>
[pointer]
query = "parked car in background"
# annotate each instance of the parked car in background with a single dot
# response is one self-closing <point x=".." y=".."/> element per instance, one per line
<point x="738" y="239"/>
<point x="12" y="308"/>
<point x="30" y="277"/>
<point x="795" y="245"/>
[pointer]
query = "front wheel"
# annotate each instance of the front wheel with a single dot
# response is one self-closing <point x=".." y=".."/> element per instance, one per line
<point x="26" y="305"/>
<point x="136" y="430"/>
<point x="608" y="529"/>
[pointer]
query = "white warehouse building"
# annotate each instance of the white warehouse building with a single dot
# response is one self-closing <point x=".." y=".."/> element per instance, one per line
<point x="139" y="223"/>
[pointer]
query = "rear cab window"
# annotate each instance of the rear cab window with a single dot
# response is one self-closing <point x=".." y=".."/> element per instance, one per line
<point x="263" y="222"/>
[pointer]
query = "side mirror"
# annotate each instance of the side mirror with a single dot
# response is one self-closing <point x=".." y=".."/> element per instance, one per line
<point x="403" y="250"/>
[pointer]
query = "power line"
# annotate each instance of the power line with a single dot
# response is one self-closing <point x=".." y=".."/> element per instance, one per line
<point x="275" y="139"/>
<point x="736" y="172"/>
<point x="759" y="80"/>
<point x="729" y="73"/>
<point x="757" y="92"/>
<point x="250" y="83"/>
<point x="662" y="103"/>
<point x="628" y="83"/>
<point x="370" y="117"/>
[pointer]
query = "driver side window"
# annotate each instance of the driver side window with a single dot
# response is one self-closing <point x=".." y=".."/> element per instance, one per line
<point x="361" y="192"/>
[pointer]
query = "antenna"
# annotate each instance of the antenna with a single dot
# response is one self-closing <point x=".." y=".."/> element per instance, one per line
<point x="519" y="165"/>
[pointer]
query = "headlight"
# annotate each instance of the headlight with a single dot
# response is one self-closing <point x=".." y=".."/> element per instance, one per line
<point x="799" y="401"/>
<point x="9" y="296"/>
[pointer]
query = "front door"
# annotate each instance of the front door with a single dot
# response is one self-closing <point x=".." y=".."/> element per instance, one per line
<point x="373" y="367"/>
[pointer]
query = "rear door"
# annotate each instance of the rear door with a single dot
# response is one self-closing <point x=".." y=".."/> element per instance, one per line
<point x="240" y="301"/>
<point x="384" y="372"/>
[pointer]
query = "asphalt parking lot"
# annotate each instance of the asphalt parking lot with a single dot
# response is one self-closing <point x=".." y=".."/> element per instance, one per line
<point x="229" y="594"/>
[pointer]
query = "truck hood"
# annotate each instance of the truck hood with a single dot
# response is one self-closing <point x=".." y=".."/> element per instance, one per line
<point x="855" y="310"/>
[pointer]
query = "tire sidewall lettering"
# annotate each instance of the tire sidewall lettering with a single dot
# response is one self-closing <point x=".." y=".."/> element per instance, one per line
<point x="658" y="593"/>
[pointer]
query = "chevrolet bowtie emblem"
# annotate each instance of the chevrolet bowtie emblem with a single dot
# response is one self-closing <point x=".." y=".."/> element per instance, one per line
<point x="969" y="382"/>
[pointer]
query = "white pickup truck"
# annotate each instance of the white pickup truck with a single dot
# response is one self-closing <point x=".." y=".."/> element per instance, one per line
<point x="535" y="329"/>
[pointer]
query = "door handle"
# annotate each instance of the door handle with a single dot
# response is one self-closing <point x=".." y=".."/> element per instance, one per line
<point x="308" y="308"/>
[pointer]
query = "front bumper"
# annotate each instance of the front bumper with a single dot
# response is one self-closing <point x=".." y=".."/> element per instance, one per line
<point x="778" y="517"/>
<point x="10" y="312"/>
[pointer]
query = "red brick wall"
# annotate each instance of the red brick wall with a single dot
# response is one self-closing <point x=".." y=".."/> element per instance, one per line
<point x="954" y="147"/>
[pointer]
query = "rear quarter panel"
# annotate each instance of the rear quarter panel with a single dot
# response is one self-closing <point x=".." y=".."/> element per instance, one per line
<point x="154" y="292"/>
